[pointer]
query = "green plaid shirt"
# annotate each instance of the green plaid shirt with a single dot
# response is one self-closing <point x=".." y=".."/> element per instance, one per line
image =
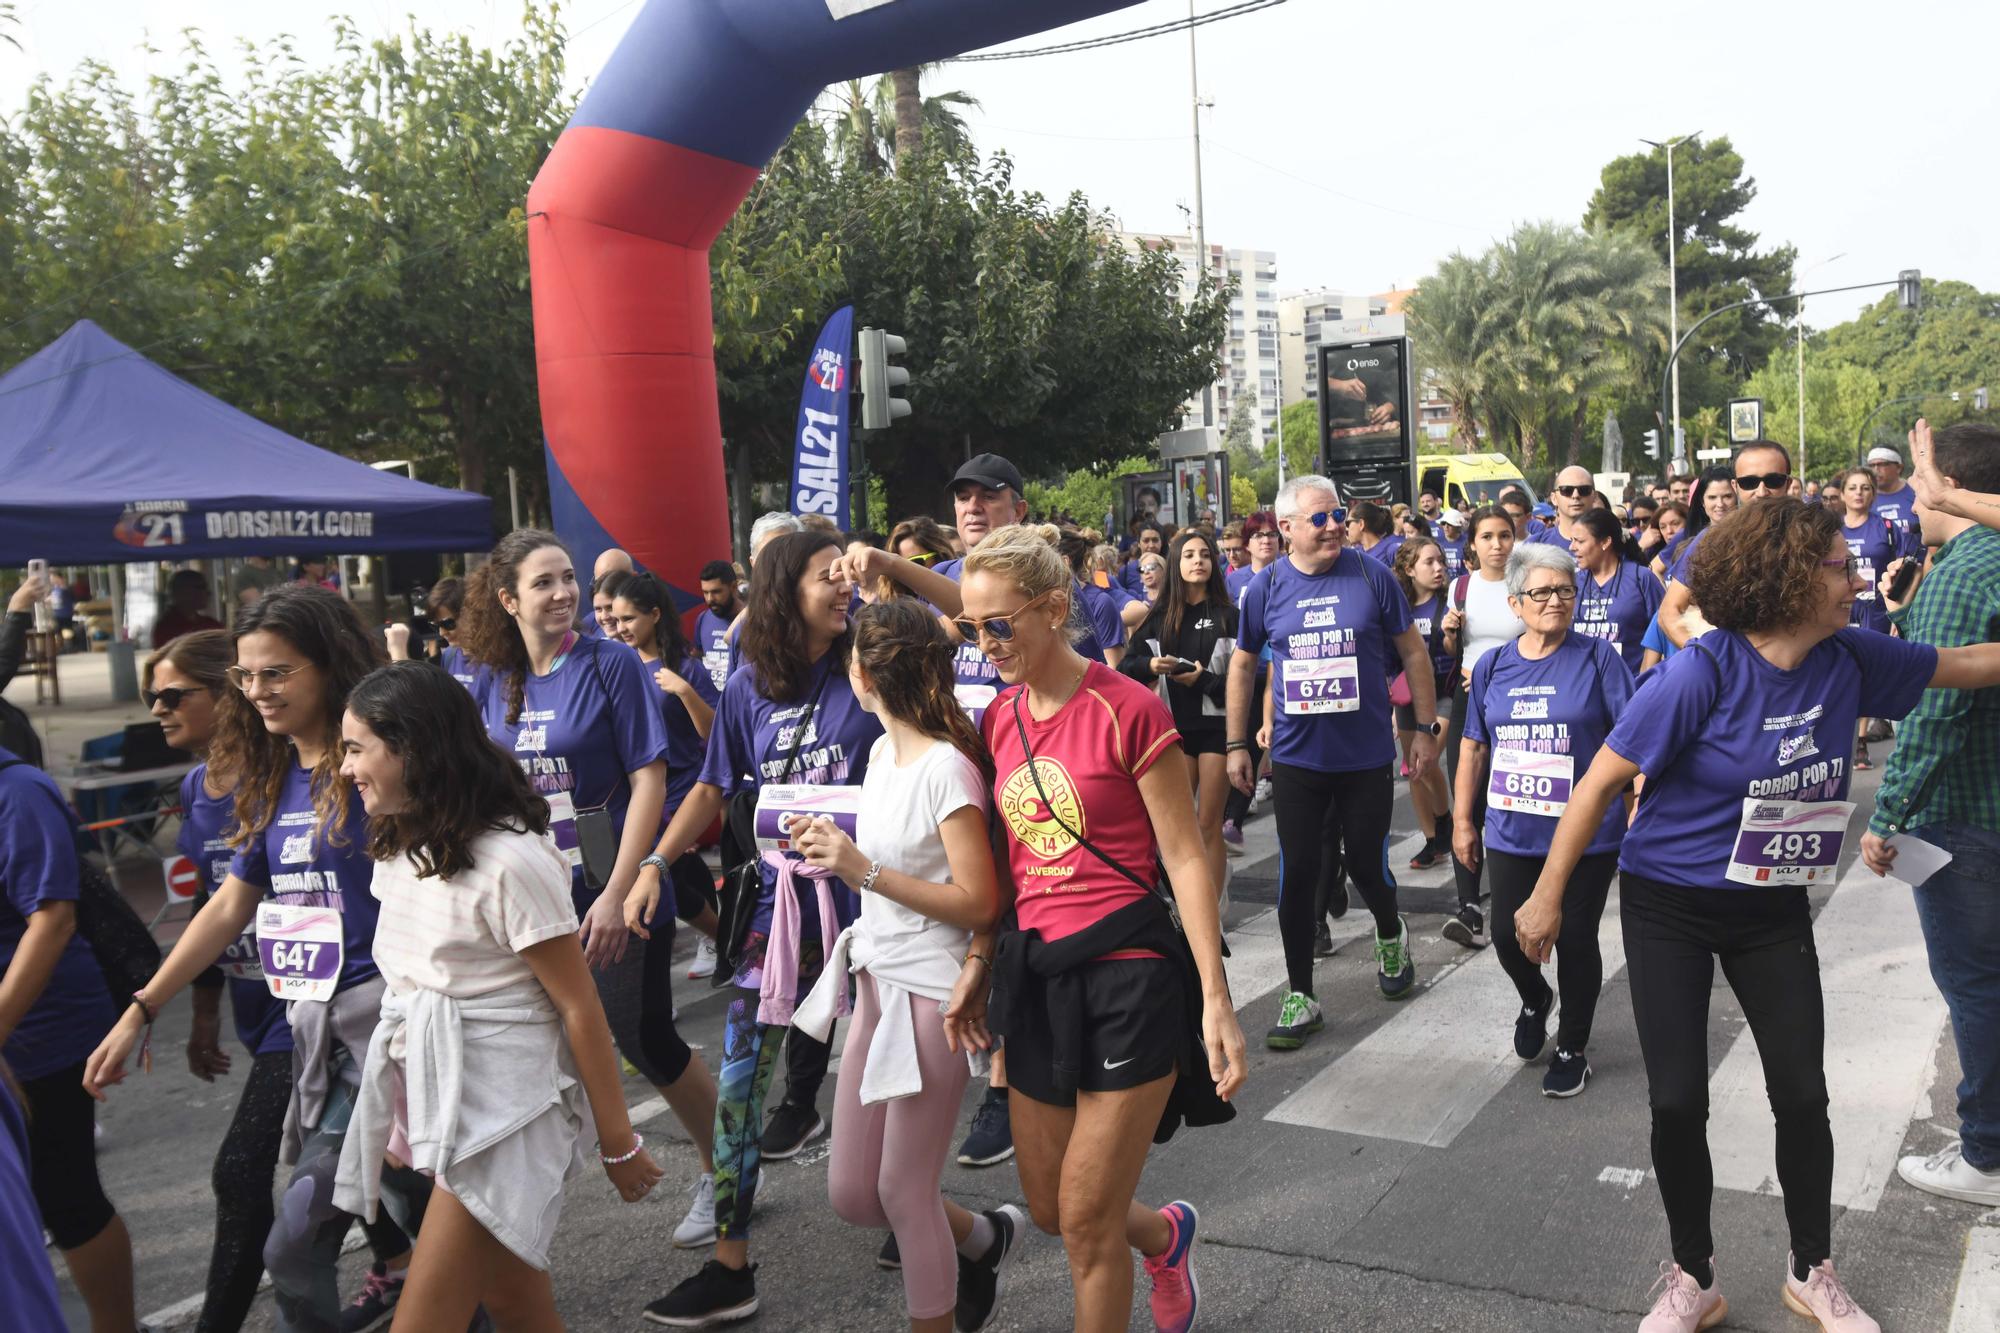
<point x="1955" y="732"/>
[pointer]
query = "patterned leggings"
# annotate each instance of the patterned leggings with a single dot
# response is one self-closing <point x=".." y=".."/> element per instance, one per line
<point x="749" y="1058"/>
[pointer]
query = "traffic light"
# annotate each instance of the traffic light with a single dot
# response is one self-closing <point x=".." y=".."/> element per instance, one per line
<point x="1979" y="400"/>
<point x="1653" y="443"/>
<point x="879" y="404"/>
<point x="1909" y="289"/>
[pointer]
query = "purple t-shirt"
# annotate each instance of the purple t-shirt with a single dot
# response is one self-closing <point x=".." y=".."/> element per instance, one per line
<point x="1619" y="609"/>
<point x="1543" y="722"/>
<point x="460" y="667"/>
<point x="260" y="1015"/>
<point x="1898" y="508"/>
<point x="1717" y="724"/>
<point x="1235" y="581"/>
<point x="1102" y="613"/>
<point x="1550" y="535"/>
<point x="1332" y="722"/>
<point x="1429" y="620"/>
<point x="27" y="1285"/>
<point x="715" y="648"/>
<point x="1384" y="550"/>
<point x="583" y="730"/>
<point x="752" y="739"/>
<point x="1454" y="556"/>
<point x="37" y="867"/>
<point x="1874" y="545"/>
<point x="1678" y="558"/>
<point x="686" y="747"/>
<point x="296" y="866"/>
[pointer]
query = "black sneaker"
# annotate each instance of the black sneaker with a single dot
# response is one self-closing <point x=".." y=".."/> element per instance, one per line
<point x="376" y="1305"/>
<point x="718" y="1294"/>
<point x="1322" y="939"/>
<point x="991" y="1139"/>
<point x="1467" y="928"/>
<point x="1567" y="1074"/>
<point x="1429" y="854"/>
<point x="1531" y="1029"/>
<point x="979" y="1279"/>
<point x="1336" y="898"/>
<point x="890" y="1256"/>
<point x="789" y="1129"/>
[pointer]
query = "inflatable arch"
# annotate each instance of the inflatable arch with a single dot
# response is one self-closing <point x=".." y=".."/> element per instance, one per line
<point x="661" y="151"/>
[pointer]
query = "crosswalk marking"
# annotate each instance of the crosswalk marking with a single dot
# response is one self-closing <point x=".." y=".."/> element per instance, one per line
<point x="1425" y="1074"/>
<point x="1977" y="1308"/>
<point x="1883" y="1020"/>
<point x="1256" y="962"/>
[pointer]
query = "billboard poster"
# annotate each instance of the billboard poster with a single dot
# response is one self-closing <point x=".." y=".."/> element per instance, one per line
<point x="1364" y="402"/>
<point x="1200" y="495"/>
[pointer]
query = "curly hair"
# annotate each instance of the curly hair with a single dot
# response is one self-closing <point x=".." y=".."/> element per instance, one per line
<point x="1405" y="564"/>
<point x="1758" y="569"/>
<point x="460" y="783"/>
<point x="486" y="632"/>
<point x="908" y="658"/>
<point x="327" y="631"/>
<point x="774" y="634"/>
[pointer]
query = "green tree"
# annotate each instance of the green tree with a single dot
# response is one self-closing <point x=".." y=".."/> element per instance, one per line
<point x="1086" y="494"/>
<point x="1839" y="397"/>
<point x="1719" y="263"/>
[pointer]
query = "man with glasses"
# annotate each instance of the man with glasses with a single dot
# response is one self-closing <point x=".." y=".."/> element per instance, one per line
<point x="1573" y="491"/>
<point x="1763" y="471"/>
<point x="1336" y="623"/>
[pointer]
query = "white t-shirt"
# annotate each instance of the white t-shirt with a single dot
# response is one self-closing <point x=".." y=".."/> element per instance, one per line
<point x="463" y="936"/>
<point x="1489" y="622"/>
<point x="901" y="808"/>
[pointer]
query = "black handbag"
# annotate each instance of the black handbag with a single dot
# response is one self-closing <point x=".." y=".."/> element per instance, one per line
<point x="742" y="884"/>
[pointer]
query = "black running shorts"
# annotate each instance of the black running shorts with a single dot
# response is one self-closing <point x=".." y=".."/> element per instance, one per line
<point x="1132" y="1026"/>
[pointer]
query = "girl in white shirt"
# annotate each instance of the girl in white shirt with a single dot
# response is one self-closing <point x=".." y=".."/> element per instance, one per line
<point x="924" y="868"/>
<point x="493" y="1048"/>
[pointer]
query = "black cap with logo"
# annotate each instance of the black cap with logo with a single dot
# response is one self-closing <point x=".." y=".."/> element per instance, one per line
<point x="992" y="471"/>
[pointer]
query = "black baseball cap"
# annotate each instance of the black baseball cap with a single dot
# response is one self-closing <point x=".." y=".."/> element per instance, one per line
<point x="990" y="470"/>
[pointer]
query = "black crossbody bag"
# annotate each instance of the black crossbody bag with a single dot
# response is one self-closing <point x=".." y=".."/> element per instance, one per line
<point x="743" y="884"/>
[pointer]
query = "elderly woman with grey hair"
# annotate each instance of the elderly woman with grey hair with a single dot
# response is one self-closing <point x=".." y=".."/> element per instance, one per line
<point x="1537" y="711"/>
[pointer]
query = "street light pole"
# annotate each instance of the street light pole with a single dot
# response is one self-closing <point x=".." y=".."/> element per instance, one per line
<point x="1799" y="318"/>
<point x="1200" y="229"/>
<point x="1673" y="289"/>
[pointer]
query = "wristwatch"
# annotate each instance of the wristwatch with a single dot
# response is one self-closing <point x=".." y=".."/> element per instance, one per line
<point x="1436" y="729"/>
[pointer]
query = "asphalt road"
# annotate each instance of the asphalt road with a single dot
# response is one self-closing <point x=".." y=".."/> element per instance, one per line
<point x="1402" y="1172"/>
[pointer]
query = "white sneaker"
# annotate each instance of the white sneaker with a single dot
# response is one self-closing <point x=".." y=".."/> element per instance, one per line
<point x="704" y="959"/>
<point x="698" y="1227"/>
<point x="1262" y="796"/>
<point x="1947" y="1172"/>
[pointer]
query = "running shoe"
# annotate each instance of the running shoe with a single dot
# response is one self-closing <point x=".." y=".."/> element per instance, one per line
<point x="1861" y="759"/>
<point x="718" y="1294"/>
<point x="698" y="1227"/>
<point x="979" y="1279"/>
<point x="704" y="959"/>
<point x="991" y="1138"/>
<point x="1323" y="939"/>
<point x="376" y="1305"/>
<point x="1822" y="1298"/>
<point x="1467" y="928"/>
<point x="890" y="1256"/>
<point x="789" y="1129"/>
<point x="1683" y="1307"/>
<point x="1429" y="854"/>
<point x="1946" y="1172"/>
<point x="1568" y="1072"/>
<point x="1336" y="898"/>
<point x="1395" y="970"/>
<point x="1298" y="1018"/>
<point x="1531" y="1029"/>
<point x="1176" y="1295"/>
<point x="1232" y="833"/>
<point x="1262" y="796"/>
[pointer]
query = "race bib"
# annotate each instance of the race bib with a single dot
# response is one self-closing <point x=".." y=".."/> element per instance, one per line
<point x="1530" y="784"/>
<point x="1328" y="685"/>
<point x="1864" y="569"/>
<point x="778" y="806"/>
<point x="717" y="662"/>
<point x="301" y="950"/>
<point x="240" y="961"/>
<point x="562" y="826"/>
<point x="1789" y="842"/>
<point x="974" y="699"/>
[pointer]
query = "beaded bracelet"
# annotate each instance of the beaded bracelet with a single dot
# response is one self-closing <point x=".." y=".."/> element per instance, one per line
<point x="638" y="1143"/>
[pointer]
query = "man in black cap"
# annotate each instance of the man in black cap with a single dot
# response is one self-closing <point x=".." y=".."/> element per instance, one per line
<point x="986" y="494"/>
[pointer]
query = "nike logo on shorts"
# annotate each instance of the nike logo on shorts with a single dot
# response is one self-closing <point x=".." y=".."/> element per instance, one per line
<point x="1122" y="1063"/>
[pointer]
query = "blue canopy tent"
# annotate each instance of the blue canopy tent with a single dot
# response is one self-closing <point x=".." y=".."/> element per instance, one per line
<point x="107" y="458"/>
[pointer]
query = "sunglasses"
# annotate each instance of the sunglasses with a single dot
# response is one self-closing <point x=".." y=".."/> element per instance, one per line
<point x="1541" y="595"/>
<point x="1576" y="492"/>
<point x="446" y="622"/>
<point x="1324" y="517"/>
<point x="923" y="557"/>
<point x="1770" y="481"/>
<point x="172" y="697"/>
<point x="1000" y="629"/>
<point x="274" y="679"/>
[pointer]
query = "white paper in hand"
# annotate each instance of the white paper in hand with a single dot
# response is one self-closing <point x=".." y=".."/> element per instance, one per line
<point x="1917" y="860"/>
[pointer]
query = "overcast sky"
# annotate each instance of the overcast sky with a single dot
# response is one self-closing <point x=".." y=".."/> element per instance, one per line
<point x="1364" y="142"/>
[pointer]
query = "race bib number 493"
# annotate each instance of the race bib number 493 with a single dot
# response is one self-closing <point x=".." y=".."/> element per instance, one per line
<point x="1789" y="842"/>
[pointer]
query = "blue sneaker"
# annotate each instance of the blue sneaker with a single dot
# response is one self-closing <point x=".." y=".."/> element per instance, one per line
<point x="1176" y="1295"/>
<point x="1395" y="970"/>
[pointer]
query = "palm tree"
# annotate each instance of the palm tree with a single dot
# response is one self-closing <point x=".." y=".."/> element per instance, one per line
<point x="909" y="122"/>
<point x="1443" y="317"/>
<point x="1707" y="424"/>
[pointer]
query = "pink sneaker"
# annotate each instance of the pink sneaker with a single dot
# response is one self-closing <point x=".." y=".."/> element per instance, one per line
<point x="1823" y="1299"/>
<point x="1683" y="1306"/>
<point x="1176" y="1296"/>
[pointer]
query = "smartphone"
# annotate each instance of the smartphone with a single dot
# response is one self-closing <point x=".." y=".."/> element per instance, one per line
<point x="44" y="614"/>
<point x="37" y="568"/>
<point x="598" y="844"/>
<point x="1186" y="665"/>
<point x="1899" y="587"/>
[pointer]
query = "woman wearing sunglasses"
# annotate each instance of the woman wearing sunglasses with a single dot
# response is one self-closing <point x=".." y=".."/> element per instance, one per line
<point x="919" y="540"/>
<point x="184" y="684"/>
<point x="300" y="872"/>
<point x="788" y="716"/>
<point x="1875" y="543"/>
<point x="1105" y="1008"/>
<point x="1760" y="471"/>
<point x="1744" y="740"/>
<point x="446" y="600"/>
<point x="1573" y="687"/>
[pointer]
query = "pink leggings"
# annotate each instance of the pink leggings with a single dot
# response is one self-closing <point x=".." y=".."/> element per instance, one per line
<point x="900" y="1191"/>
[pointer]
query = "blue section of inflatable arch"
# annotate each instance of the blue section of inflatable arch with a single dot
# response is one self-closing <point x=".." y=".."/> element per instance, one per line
<point x="661" y="151"/>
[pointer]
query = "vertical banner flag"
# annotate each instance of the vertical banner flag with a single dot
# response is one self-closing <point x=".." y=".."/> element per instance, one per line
<point x="820" y="442"/>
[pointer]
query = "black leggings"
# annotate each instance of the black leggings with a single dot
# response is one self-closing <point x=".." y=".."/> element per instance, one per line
<point x="1304" y="799"/>
<point x="1464" y="877"/>
<point x="1764" y="940"/>
<point x="693" y="887"/>
<point x="62" y="1157"/>
<point x="1237" y="807"/>
<point x="1579" y="962"/>
<point x="245" y="1165"/>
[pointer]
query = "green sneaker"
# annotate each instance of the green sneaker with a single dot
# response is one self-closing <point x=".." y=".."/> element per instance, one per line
<point x="1298" y="1019"/>
<point x="1395" y="970"/>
